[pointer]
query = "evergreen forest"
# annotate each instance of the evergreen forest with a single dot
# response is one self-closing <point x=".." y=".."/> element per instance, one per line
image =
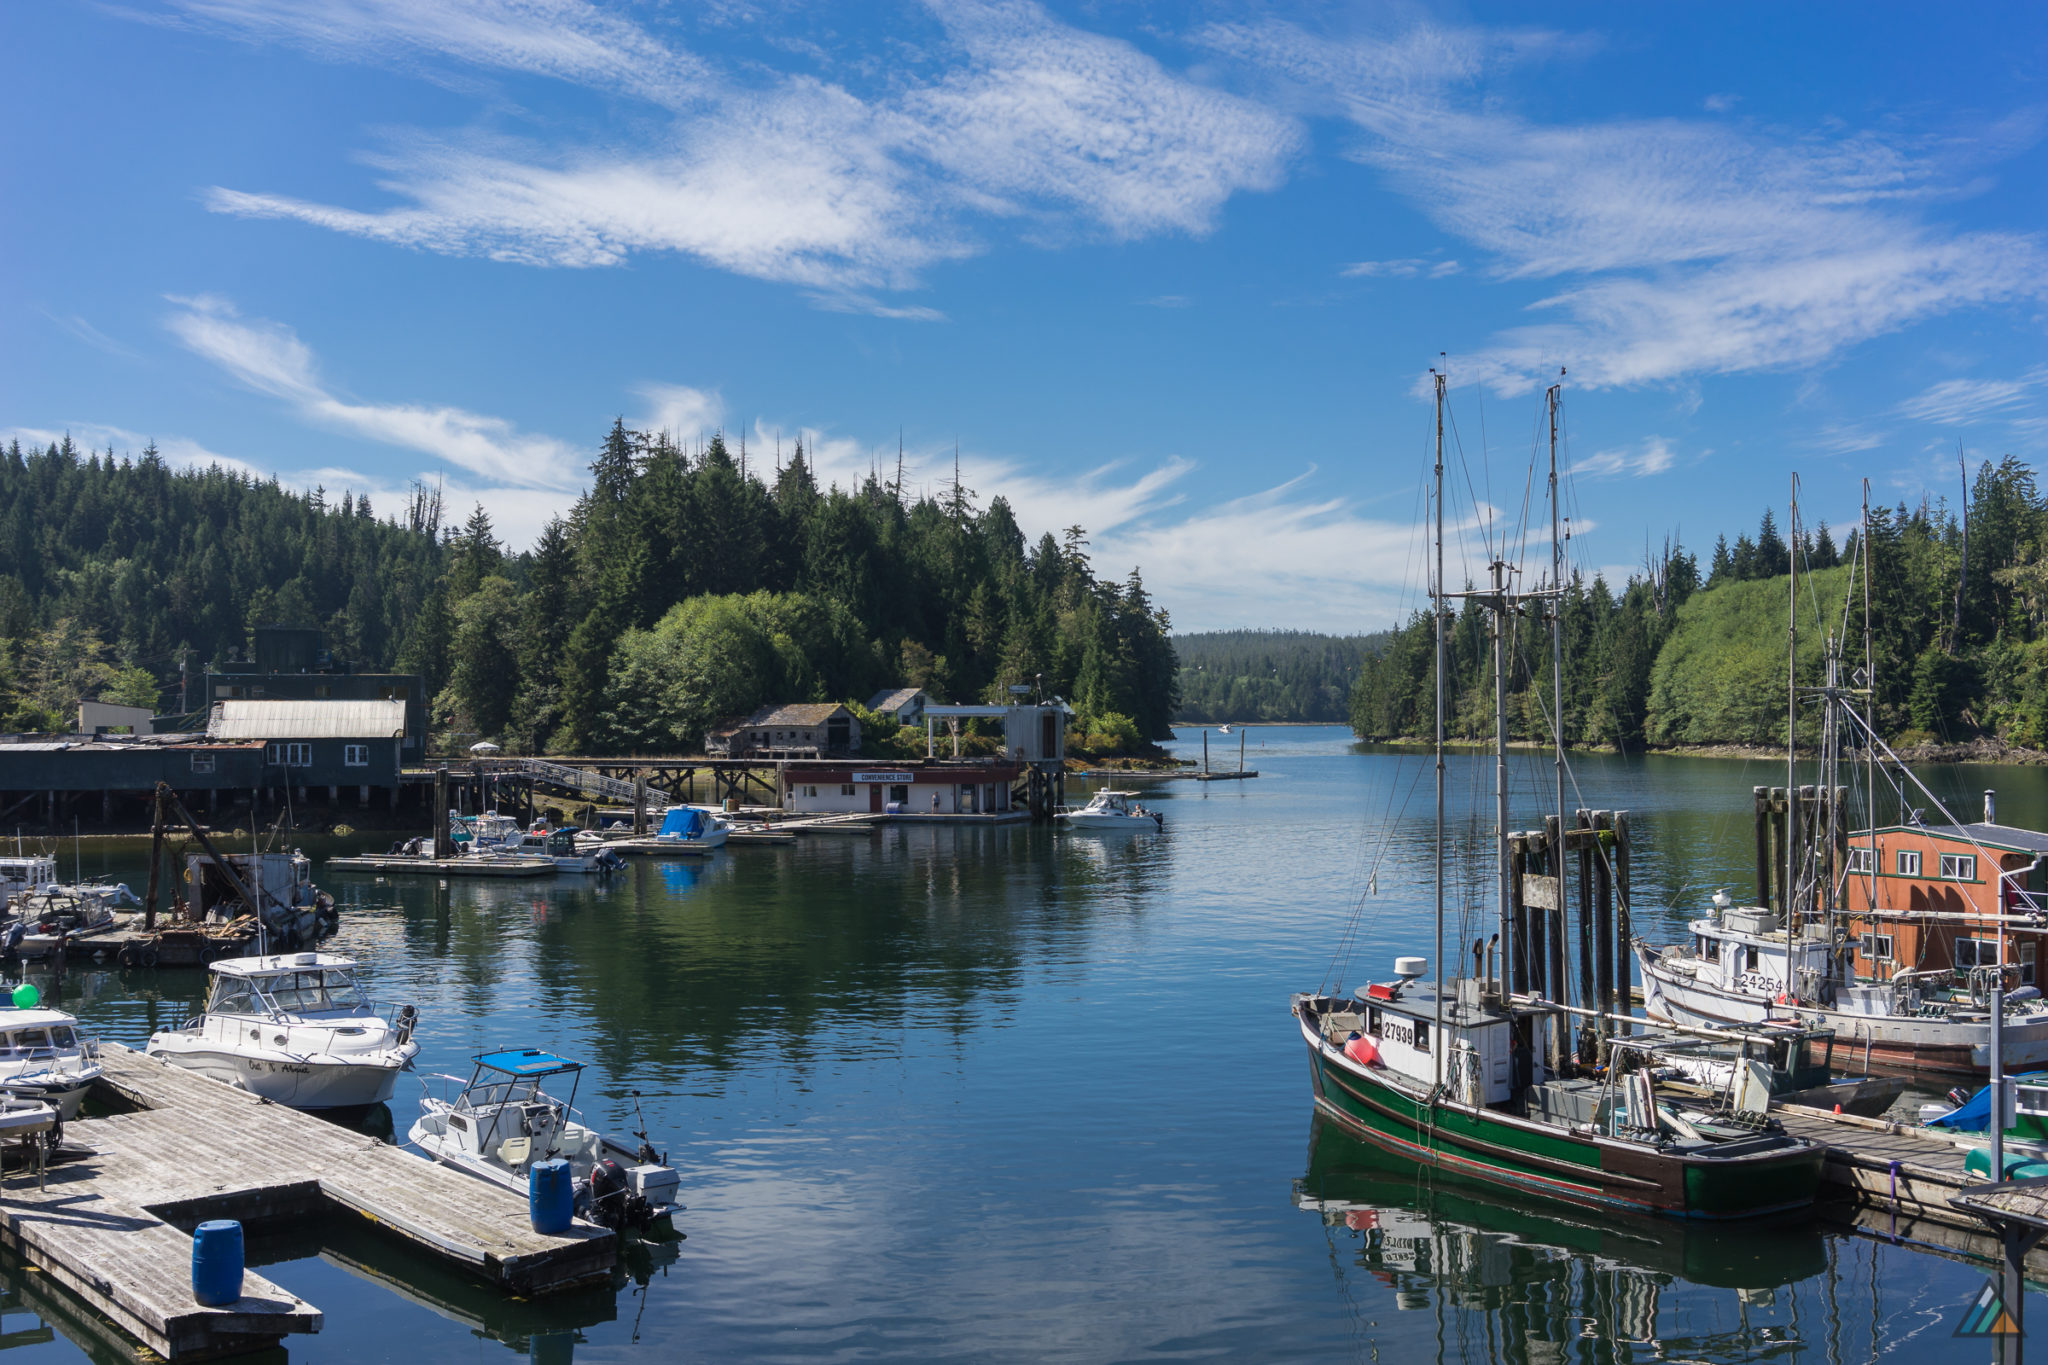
<point x="1269" y="675"/>
<point x="681" y="588"/>
<point x="1674" y="656"/>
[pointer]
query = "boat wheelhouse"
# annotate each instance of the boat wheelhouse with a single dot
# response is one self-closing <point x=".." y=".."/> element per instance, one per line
<point x="1947" y="898"/>
<point x="501" y="1121"/>
<point x="296" y="1029"/>
<point x="25" y="872"/>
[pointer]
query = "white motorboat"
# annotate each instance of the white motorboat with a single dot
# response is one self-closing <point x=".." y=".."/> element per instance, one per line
<point x="1112" y="810"/>
<point x="693" y="827"/>
<point x="569" y="851"/>
<point x="294" y="1028"/>
<point x="487" y="833"/>
<point x="500" y="1122"/>
<point x="43" y="1056"/>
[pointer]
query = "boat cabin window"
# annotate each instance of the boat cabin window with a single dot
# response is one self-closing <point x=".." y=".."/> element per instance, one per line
<point x="1877" y="947"/>
<point x="32" y="1040"/>
<point x="2027" y="964"/>
<point x="1906" y="863"/>
<point x="63" y="1037"/>
<point x="2033" y="1099"/>
<point x="1710" y="948"/>
<point x="1749" y="957"/>
<point x="1976" y="952"/>
<point x="305" y="992"/>
<point x="1422" y="1035"/>
<point x="1862" y="860"/>
<point x="231" y="995"/>
<point x="1959" y="867"/>
<point x="1372" y="1021"/>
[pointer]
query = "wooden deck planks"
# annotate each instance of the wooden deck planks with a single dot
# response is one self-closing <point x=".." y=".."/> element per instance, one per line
<point x="108" y="1225"/>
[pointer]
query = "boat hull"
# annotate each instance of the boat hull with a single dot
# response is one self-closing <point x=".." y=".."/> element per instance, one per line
<point x="296" y="1082"/>
<point x="1890" y="1045"/>
<point x="1483" y="1145"/>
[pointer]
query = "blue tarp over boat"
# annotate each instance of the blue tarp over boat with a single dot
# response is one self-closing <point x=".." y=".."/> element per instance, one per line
<point x="683" y="822"/>
<point x="1975" y="1115"/>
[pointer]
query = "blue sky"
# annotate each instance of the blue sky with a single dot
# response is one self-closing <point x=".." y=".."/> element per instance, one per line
<point x="1173" y="272"/>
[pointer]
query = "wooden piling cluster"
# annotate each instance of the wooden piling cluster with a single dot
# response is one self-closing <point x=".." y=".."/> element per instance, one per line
<point x="1789" y="821"/>
<point x="1543" y="863"/>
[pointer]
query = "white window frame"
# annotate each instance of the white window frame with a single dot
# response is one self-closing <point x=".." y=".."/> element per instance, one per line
<point x="1862" y="861"/>
<point x="355" y="755"/>
<point x="1958" y="867"/>
<point x="1877" y="947"/>
<point x="1906" y="862"/>
<point x="202" y="763"/>
<point x="1983" y="952"/>
<point x="296" y="753"/>
<point x="2027" y="973"/>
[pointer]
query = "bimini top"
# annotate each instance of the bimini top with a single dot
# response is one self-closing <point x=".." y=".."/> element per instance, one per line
<point x="282" y="962"/>
<point x="526" y="1061"/>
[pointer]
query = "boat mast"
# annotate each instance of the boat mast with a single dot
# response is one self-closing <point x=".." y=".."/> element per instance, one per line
<point x="1870" y="686"/>
<point x="1788" y="894"/>
<point x="1557" y="672"/>
<point x="1436" y="1050"/>
<point x="1500" y="775"/>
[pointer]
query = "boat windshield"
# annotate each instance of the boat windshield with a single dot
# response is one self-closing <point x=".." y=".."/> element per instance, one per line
<point x="332" y="990"/>
<point x="487" y="1094"/>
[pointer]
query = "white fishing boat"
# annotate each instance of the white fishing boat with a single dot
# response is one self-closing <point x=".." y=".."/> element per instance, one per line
<point x="1112" y="810"/>
<point x="294" y="1028"/>
<point x="23" y="873"/>
<point x="43" y="1055"/>
<point x="294" y="911"/>
<point x="500" y="1122"/>
<point x="693" y="827"/>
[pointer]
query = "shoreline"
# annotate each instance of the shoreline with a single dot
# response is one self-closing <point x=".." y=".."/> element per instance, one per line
<point x="1983" y="751"/>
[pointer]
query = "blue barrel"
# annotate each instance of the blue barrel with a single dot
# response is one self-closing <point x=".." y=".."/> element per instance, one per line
<point x="550" y="1196"/>
<point x="217" y="1263"/>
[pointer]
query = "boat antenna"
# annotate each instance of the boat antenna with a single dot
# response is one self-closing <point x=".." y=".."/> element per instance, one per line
<point x="77" y="856"/>
<point x="1437" y="609"/>
<point x="1788" y="892"/>
<point x="646" y="1152"/>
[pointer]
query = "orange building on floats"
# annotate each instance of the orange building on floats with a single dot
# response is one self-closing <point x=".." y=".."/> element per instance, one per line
<point x="1926" y="898"/>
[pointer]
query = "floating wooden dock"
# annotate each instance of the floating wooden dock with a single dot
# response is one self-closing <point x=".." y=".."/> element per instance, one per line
<point x="111" y="1224"/>
<point x="1225" y="777"/>
<point x="400" y="864"/>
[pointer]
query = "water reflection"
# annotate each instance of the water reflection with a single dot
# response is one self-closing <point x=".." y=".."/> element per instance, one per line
<point x="1537" y="1279"/>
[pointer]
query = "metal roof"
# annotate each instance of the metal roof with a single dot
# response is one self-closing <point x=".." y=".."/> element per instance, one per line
<point x="894" y="699"/>
<point x="797" y="713"/>
<point x="323" y="719"/>
<point x="1990" y="836"/>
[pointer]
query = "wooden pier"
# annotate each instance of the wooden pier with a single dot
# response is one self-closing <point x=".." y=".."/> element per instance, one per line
<point x="111" y="1223"/>
<point x="401" y="864"/>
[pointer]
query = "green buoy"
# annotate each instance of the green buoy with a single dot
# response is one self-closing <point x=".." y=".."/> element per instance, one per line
<point x="25" y="996"/>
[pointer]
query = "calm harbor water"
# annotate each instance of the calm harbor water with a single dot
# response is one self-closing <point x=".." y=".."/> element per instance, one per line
<point x="1009" y="1095"/>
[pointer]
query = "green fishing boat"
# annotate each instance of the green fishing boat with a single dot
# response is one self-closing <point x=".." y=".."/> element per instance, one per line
<point x="1492" y="1076"/>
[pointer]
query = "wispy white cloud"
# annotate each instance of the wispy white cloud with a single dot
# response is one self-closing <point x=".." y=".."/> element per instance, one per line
<point x="1721" y="103"/>
<point x="1407" y="268"/>
<point x="795" y="181"/>
<point x="1686" y="247"/>
<point x="92" y="336"/>
<point x="1961" y="402"/>
<point x="270" y="358"/>
<point x="1651" y="455"/>
<point x="566" y="39"/>
<point x="680" y="410"/>
<point x="1168" y="301"/>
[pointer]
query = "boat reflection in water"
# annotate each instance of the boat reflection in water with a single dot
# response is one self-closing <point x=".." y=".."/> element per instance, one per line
<point x="1547" y="1275"/>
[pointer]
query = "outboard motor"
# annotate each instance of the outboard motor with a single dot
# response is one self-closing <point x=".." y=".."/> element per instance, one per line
<point x="608" y="1194"/>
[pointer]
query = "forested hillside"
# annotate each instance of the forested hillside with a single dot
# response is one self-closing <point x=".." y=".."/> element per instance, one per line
<point x="1960" y="626"/>
<point x="680" y="588"/>
<point x="1269" y="675"/>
